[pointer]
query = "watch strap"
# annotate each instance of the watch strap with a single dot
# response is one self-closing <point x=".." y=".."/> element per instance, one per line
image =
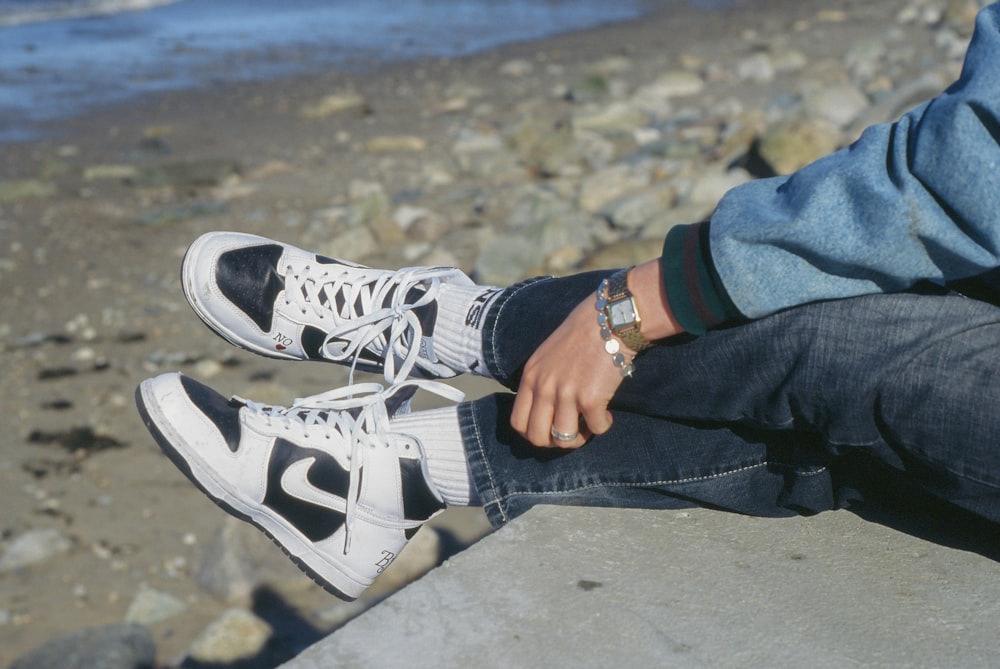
<point x="629" y="334"/>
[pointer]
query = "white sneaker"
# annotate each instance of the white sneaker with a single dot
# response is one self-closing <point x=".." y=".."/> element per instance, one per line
<point x="327" y="479"/>
<point x="280" y="301"/>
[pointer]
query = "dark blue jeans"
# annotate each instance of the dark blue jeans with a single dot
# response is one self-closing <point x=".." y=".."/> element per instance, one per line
<point x="790" y="414"/>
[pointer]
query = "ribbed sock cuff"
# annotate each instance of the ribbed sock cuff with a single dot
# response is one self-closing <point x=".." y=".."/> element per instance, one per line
<point x="458" y="333"/>
<point x="441" y="438"/>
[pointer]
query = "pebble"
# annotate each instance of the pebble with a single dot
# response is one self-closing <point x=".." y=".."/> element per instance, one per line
<point x="792" y="144"/>
<point x="334" y="103"/>
<point x="391" y="143"/>
<point x="655" y="97"/>
<point x="34" y="547"/>
<point x="150" y="606"/>
<point x="840" y="104"/>
<point x="25" y="189"/>
<point x="517" y="68"/>
<point x="235" y="636"/>
<point x="125" y="646"/>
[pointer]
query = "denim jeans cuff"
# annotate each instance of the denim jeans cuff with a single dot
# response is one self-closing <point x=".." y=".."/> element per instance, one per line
<point x="470" y="419"/>
<point x="498" y="368"/>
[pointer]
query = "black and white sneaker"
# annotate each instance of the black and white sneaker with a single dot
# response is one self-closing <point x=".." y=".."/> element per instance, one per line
<point x="327" y="479"/>
<point x="283" y="302"/>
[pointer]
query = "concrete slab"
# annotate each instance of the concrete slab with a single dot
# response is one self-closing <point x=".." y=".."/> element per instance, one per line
<point x="577" y="587"/>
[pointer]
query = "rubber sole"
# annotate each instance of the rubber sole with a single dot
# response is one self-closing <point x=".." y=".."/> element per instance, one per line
<point x="182" y="464"/>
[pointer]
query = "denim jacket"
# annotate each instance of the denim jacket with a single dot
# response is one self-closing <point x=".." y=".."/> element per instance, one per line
<point x="910" y="201"/>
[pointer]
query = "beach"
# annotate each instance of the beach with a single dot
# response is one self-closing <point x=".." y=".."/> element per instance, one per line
<point x="570" y="152"/>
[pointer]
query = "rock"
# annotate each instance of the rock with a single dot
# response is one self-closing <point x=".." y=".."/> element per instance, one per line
<point x="395" y="143"/>
<point x="840" y="104"/>
<point x="188" y="174"/>
<point x="234" y="636"/>
<point x="655" y="97"/>
<point x="591" y="89"/>
<point x="238" y="559"/>
<point x="481" y="151"/>
<point x="516" y="68"/>
<point x="864" y="58"/>
<point x="34" y="547"/>
<point x="406" y="216"/>
<point x="181" y="212"/>
<point x="711" y="184"/>
<point x="612" y="183"/>
<point x="507" y="260"/>
<point x="615" y="117"/>
<point x="634" y="210"/>
<point x="789" y="60"/>
<point x="24" y="189"/>
<point x="692" y="212"/>
<point x="368" y="202"/>
<point x="758" y="68"/>
<point x="152" y="606"/>
<point x="110" y="173"/>
<point x="127" y="646"/>
<point x="545" y="144"/>
<point x="795" y="143"/>
<point x="961" y="14"/>
<point x="335" y="103"/>
<point x="595" y="150"/>
<point x="623" y="254"/>
<point x="611" y="65"/>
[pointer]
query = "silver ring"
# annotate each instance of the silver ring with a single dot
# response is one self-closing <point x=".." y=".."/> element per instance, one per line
<point x="563" y="436"/>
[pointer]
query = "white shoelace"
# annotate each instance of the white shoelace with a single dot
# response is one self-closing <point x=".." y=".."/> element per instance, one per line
<point x="356" y="413"/>
<point x="357" y="300"/>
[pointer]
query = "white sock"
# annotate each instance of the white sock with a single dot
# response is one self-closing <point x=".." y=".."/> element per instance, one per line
<point x="441" y="437"/>
<point x="458" y="333"/>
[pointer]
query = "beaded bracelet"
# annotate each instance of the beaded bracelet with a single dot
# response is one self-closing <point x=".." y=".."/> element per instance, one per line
<point x="611" y="345"/>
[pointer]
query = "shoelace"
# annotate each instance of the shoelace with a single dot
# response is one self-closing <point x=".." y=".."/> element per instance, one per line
<point x="357" y="413"/>
<point x="368" y="308"/>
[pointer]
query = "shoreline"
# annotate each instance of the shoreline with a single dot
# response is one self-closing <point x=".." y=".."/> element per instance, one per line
<point x="538" y="157"/>
<point x="99" y="125"/>
<point x="58" y="68"/>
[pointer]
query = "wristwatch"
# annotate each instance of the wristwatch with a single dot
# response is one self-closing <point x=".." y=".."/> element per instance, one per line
<point x="623" y="314"/>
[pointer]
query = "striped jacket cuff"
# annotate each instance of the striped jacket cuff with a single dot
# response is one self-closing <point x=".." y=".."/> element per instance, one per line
<point x="695" y="292"/>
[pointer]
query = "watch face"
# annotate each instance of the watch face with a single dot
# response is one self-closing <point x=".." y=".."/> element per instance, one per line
<point x="621" y="313"/>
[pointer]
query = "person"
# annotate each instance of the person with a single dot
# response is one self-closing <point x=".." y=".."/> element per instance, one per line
<point x="837" y="322"/>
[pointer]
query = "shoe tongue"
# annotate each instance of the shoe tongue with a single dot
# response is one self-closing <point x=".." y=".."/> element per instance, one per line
<point x="426" y="314"/>
<point x="396" y="403"/>
<point x="399" y="401"/>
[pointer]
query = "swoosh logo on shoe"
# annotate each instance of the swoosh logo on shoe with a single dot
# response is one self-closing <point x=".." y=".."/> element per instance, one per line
<point x="295" y="481"/>
<point x="306" y="488"/>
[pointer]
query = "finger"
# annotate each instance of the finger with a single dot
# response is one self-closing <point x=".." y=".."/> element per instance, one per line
<point x="539" y="430"/>
<point x="598" y="421"/>
<point x="565" y="431"/>
<point x="521" y="411"/>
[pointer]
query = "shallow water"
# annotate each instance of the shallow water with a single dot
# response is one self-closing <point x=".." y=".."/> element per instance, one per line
<point x="61" y="57"/>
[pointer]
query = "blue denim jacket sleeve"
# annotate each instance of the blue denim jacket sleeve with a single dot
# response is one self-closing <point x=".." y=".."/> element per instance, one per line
<point x="918" y="199"/>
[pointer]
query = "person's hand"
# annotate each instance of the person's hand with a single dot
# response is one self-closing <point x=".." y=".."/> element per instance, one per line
<point x="567" y="383"/>
<point x="569" y="380"/>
